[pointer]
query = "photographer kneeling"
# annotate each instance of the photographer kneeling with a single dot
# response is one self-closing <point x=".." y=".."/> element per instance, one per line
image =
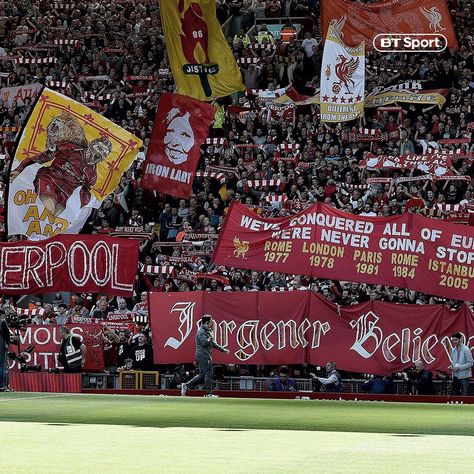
<point x="420" y="379"/>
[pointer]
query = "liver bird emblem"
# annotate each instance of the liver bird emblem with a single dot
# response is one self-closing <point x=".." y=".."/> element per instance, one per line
<point x="241" y="248"/>
<point x="434" y="16"/>
<point x="344" y="71"/>
<point x="337" y="26"/>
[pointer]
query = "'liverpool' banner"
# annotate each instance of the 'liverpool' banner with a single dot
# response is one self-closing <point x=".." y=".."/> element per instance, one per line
<point x="302" y="327"/>
<point x="342" y="79"/>
<point x="359" y="22"/>
<point x="436" y="164"/>
<point x="201" y="61"/>
<point x="68" y="160"/>
<point x="83" y="263"/>
<point x="47" y="340"/>
<point x="408" y="250"/>
<point x="181" y="127"/>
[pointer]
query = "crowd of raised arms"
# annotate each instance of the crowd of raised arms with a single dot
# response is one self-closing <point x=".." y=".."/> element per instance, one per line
<point x="120" y="40"/>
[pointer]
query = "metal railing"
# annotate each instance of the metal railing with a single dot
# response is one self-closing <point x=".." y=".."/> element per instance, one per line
<point x="261" y="384"/>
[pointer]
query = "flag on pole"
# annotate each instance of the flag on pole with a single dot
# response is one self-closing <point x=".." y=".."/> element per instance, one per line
<point x="181" y="127"/>
<point x="200" y="58"/>
<point x="342" y="79"/>
<point x="68" y="160"/>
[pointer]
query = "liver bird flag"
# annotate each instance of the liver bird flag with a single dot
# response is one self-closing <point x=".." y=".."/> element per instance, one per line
<point x="201" y="61"/>
<point x="363" y="21"/>
<point x="342" y="79"/>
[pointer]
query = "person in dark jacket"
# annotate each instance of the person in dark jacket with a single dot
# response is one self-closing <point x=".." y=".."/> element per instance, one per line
<point x="204" y="344"/>
<point x="378" y="385"/>
<point x="72" y="352"/>
<point x="420" y="379"/>
<point x="4" y="343"/>
<point x="283" y="383"/>
<point x="331" y="383"/>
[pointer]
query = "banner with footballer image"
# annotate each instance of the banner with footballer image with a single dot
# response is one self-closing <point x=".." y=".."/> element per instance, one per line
<point x="68" y="160"/>
<point x="200" y="58"/>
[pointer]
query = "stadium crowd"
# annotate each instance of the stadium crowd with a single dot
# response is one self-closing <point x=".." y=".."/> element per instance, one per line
<point x="118" y="66"/>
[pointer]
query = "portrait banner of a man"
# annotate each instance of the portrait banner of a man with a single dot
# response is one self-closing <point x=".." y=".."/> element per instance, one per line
<point x="181" y="127"/>
<point x="68" y="160"/>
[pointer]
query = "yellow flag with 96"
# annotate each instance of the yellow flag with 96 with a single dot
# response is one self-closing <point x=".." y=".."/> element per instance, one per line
<point x="201" y="61"/>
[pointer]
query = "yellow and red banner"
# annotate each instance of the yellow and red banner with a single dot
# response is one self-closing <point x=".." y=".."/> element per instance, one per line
<point x="201" y="61"/>
<point x="362" y="22"/>
<point x="342" y="80"/>
<point x="68" y="160"/>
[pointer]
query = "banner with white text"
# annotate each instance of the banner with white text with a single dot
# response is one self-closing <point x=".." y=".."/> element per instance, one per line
<point x="407" y="251"/>
<point x="83" y="263"/>
<point x="47" y="340"/>
<point x="302" y="327"/>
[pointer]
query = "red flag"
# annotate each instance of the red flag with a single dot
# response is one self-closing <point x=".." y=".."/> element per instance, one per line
<point x="357" y="22"/>
<point x="181" y="127"/>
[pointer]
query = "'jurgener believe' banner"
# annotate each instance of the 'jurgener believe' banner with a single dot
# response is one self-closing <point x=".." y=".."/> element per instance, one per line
<point x="82" y="263"/>
<point x="408" y="250"/>
<point x="301" y="326"/>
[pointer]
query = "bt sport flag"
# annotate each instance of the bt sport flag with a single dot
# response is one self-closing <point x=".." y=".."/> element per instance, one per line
<point x="68" y="160"/>
<point x="342" y="80"/>
<point x="358" y="22"/>
<point x="181" y="127"/>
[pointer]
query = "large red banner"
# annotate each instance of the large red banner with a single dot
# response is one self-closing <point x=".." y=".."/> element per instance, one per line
<point x="82" y="263"/>
<point x="407" y="250"/>
<point x="360" y="22"/>
<point x="302" y="327"/>
<point x="181" y="127"/>
<point x="47" y="341"/>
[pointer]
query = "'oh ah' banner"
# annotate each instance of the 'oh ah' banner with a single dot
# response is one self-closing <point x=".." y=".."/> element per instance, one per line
<point x="68" y="160"/>
<point x="407" y="251"/>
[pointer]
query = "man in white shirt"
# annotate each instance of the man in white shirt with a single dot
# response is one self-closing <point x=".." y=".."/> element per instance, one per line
<point x="308" y="44"/>
<point x="461" y="363"/>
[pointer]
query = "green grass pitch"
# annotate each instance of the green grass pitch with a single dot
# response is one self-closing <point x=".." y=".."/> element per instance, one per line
<point x="99" y="433"/>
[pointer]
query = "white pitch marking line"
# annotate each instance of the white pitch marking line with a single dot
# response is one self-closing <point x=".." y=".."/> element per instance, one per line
<point x="34" y="398"/>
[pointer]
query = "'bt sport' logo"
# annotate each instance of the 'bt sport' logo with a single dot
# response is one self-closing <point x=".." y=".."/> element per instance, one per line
<point x="410" y="42"/>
